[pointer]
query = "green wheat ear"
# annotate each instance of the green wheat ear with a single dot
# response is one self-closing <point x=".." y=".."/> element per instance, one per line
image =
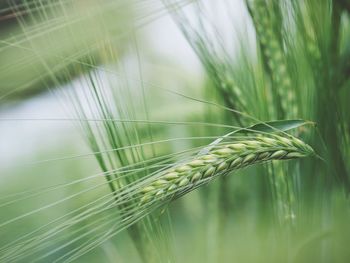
<point x="272" y="48"/>
<point x="222" y="160"/>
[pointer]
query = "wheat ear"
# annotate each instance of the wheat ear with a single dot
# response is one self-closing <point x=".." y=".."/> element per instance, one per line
<point x="273" y="52"/>
<point x="222" y="160"/>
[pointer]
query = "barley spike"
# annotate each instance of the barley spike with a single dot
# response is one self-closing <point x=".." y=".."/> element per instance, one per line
<point x="222" y="160"/>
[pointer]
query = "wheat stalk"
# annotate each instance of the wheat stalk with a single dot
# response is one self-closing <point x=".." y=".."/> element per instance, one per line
<point x="222" y="160"/>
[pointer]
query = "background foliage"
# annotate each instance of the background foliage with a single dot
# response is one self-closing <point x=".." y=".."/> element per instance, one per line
<point x="124" y="111"/>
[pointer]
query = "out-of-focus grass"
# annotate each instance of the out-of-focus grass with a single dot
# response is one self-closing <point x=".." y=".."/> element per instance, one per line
<point x="48" y="40"/>
<point x="290" y="212"/>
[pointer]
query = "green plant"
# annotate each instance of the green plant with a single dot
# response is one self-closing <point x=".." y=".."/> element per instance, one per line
<point x="289" y="59"/>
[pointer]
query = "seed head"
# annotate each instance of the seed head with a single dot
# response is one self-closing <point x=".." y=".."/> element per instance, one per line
<point x="222" y="160"/>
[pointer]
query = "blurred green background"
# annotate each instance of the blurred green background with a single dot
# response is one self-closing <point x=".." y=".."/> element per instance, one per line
<point x="81" y="79"/>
